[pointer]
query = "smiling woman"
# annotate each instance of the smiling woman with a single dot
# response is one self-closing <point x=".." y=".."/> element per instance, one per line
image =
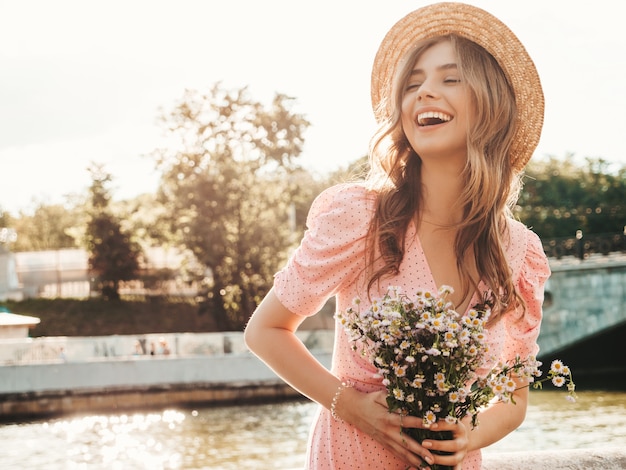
<point x="460" y="108"/>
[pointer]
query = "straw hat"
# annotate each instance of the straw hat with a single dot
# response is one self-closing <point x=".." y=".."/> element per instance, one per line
<point x="487" y="31"/>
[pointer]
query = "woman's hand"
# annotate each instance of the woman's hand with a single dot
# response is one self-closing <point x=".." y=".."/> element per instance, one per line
<point x="369" y="413"/>
<point x="454" y="449"/>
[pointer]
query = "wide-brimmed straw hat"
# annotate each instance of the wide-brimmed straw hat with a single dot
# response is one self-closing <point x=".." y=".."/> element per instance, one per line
<point x="485" y="30"/>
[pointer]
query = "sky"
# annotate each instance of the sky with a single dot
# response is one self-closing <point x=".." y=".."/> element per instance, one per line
<point x="85" y="81"/>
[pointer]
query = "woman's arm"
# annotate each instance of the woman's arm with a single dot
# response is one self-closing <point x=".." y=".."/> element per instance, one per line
<point x="500" y="419"/>
<point x="270" y="334"/>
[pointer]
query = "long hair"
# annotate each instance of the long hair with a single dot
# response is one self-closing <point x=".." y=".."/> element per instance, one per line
<point x="490" y="184"/>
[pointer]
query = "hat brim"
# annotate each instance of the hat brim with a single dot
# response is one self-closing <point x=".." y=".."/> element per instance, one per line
<point x="485" y="30"/>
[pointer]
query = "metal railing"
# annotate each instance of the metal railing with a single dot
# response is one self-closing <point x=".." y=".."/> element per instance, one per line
<point x="581" y="246"/>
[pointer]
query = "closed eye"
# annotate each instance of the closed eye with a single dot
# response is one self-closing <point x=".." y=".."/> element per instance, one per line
<point x="413" y="86"/>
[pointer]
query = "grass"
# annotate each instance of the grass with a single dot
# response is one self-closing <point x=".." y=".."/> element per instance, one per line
<point x="98" y="317"/>
<point x="130" y="316"/>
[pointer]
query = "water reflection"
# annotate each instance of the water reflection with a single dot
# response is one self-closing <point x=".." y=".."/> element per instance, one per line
<point x="266" y="436"/>
<point x="242" y="437"/>
<point x="597" y="419"/>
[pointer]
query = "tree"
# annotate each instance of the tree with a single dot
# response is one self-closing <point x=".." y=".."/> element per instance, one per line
<point x="49" y="227"/>
<point x="113" y="256"/>
<point x="561" y="196"/>
<point x="5" y="218"/>
<point x="146" y="218"/>
<point x="8" y="235"/>
<point x="355" y="170"/>
<point x="230" y="187"/>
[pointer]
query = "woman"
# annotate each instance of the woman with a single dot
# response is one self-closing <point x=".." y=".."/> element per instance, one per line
<point x="460" y="109"/>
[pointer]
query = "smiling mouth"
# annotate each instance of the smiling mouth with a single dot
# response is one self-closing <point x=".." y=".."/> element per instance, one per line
<point x="432" y="118"/>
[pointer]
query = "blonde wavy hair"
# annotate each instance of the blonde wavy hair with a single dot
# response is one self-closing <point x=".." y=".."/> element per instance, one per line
<point x="491" y="186"/>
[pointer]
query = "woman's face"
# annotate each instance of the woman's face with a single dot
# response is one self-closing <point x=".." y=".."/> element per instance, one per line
<point x="435" y="107"/>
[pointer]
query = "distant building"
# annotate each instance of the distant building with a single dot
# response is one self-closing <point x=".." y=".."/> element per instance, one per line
<point x="53" y="273"/>
<point x="65" y="273"/>
<point x="10" y="287"/>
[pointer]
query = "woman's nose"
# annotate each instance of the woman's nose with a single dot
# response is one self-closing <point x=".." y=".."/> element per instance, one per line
<point x="426" y="91"/>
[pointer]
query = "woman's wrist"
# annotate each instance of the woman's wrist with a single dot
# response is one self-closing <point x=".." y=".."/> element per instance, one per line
<point x="336" y="403"/>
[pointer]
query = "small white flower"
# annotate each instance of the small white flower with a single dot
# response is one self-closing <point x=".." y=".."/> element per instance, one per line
<point x="429" y="418"/>
<point x="556" y="367"/>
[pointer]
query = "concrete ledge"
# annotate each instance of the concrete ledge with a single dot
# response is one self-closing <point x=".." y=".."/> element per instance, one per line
<point x="580" y="459"/>
<point x="40" y="390"/>
<point x="39" y="405"/>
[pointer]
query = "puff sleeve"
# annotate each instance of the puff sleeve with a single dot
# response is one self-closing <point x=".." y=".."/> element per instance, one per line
<point x="332" y="251"/>
<point x="522" y="326"/>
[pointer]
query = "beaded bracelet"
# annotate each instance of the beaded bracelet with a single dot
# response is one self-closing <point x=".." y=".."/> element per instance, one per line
<point x="333" y="404"/>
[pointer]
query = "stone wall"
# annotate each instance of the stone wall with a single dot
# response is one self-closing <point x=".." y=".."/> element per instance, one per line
<point x="582" y="298"/>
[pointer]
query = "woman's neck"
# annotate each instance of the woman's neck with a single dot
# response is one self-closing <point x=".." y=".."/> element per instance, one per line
<point x="441" y="192"/>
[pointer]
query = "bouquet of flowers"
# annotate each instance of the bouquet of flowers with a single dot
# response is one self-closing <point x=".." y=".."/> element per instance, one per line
<point x="427" y="356"/>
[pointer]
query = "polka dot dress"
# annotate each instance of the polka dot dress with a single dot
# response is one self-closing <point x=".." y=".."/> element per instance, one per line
<point x="330" y="261"/>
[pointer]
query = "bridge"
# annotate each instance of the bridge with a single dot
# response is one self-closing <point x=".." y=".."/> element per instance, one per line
<point x="585" y="317"/>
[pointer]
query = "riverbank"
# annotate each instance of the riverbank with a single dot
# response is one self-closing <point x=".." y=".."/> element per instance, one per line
<point x="55" y="376"/>
<point x="42" y="377"/>
<point x="41" y="391"/>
